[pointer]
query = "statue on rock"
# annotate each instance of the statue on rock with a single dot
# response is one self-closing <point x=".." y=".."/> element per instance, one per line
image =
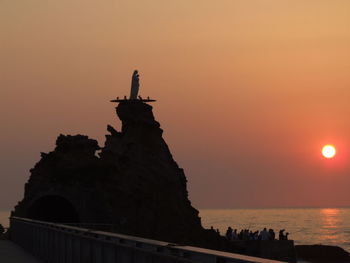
<point x="132" y="182"/>
<point x="134" y="85"/>
<point x="134" y="91"/>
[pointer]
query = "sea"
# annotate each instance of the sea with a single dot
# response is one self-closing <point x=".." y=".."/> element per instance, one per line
<point x="326" y="226"/>
<point x="306" y="226"/>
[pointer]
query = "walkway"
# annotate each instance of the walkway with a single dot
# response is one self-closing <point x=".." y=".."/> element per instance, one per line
<point x="11" y="253"/>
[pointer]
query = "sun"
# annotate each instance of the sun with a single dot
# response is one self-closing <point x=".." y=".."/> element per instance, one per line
<point x="328" y="151"/>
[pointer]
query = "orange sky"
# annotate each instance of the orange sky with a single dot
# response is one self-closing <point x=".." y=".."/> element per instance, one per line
<point x="248" y="91"/>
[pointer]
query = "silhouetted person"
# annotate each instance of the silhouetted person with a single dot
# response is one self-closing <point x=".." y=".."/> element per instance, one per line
<point x="281" y="235"/>
<point x="240" y="235"/>
<point x="2" y="229"/>
<point x="246" y="234"/>
<point x="217" y="231"/>
<point x="264" y="234"/>
<point x="272" y="234"/>
<point x="234" y="235"/>
<point x="286" y="236"/>
<point x="251" y="235"/>
<point x="229" y="233"/>
<point x="256" y="235"/>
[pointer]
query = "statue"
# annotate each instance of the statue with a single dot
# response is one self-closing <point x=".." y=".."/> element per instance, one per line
<point x="134" y="97"/>
<point x="134" y="85"/>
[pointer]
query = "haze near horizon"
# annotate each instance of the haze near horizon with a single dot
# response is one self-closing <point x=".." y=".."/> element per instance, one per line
<point x="248" y="92"/>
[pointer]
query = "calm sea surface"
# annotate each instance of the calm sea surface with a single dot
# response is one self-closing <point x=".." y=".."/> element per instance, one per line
<point x="327" y="226"/>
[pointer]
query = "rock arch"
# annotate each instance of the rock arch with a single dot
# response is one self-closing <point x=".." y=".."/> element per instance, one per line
<point x="53" y="208"/>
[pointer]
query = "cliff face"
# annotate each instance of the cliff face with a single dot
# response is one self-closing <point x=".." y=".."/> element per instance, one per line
<point x="133" y="183"/>
<point x="153" y="186"/>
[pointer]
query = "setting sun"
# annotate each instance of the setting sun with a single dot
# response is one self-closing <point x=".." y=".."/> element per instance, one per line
<point x="328" y="151"/>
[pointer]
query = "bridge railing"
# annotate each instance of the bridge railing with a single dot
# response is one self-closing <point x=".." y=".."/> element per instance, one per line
<point x="57" y="243"/>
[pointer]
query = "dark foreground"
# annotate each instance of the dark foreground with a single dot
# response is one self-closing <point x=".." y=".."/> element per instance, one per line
<point x="322" y="254"/>
<point x="11" y="253"/>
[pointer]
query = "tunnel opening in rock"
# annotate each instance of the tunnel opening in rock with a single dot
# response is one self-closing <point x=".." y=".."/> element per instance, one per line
<point x="53" y="208"/>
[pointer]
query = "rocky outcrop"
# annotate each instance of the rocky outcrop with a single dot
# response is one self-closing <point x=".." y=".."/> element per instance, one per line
<point x="322" y="253"/>
<point x="133" y="183"/>
<point x="151" y="183"/>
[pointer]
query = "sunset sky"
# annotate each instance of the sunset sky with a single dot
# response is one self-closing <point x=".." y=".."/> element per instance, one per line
<point x="248" y="92"/>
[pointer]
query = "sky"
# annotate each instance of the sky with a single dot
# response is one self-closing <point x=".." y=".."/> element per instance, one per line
<point x="248" y="91"/>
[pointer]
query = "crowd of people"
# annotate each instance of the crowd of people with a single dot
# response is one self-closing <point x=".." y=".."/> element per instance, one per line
<point x="247" y="234"/>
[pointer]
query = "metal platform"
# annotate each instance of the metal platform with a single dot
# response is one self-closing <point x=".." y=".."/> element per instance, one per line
<point x="130" y="100"/>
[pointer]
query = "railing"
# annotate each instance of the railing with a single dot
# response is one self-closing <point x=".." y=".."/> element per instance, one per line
<point x="98" y="227"/>
<point x="57" y="243"/>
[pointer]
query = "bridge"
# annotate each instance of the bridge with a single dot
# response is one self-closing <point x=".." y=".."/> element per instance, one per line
<point x="61" y="243"/>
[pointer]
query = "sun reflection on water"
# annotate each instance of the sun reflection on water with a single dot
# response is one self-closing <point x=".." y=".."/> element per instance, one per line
<point x="330" y="224"/>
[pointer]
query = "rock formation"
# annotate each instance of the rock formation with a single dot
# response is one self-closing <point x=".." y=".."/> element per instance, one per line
<point x="134" y="184"/>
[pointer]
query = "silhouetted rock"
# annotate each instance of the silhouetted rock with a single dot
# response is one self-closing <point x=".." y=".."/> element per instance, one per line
<point x="153" y="186"/>
<point x="133" y="183"/>
<point x="322" y="253"/>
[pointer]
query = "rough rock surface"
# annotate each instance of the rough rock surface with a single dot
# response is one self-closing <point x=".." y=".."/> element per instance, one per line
<point x="134" y="183"/>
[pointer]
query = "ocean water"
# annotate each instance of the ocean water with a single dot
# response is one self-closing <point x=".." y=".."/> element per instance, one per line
<point x="326" y="226"/>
